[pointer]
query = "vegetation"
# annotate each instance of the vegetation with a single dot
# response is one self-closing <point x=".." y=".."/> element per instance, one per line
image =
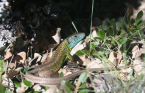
<point x="113" y="39"/>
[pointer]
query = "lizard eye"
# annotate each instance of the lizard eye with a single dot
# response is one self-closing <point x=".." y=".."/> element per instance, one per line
<point x="75" y="35"/>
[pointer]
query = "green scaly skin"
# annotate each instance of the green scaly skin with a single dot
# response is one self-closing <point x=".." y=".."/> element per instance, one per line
<point x="58" y="57"/>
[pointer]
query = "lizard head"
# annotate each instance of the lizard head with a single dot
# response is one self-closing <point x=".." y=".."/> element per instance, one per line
<point x="74" y="39"/>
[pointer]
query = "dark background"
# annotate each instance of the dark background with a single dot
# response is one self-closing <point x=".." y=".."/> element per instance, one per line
<point x="46" y="15"/>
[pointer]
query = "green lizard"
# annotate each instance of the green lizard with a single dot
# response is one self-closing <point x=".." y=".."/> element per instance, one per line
<point x="58" y="57"/>
<point x="41" y="74"/>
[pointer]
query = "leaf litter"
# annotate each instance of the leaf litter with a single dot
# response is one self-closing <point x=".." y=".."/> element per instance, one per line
<point x="43" y="53"/>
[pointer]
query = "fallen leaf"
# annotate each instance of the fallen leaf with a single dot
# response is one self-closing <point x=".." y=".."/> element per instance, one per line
<point x="112" y="58"/>
<point x="57" y="36"/>
<point x="35" y="60"/>
<point x="38" y="56"/>
<point x="139" y="66"/>
<point x="85" y="60"/>
<point x="143" y="48"/>
<point x="37" y="87"/>
<point x="11" y="73"/>
<point x="136" y="52"/>
<point x="94" y="34"/>
<point x="52" y="89"/>
<point x="8" y="83"/>
<point x="124" y="73"/>
<point x="95" y="64"/>
<point x="7" y="55"/>
<point x="115" y="58"/>
<point x="49" y="56"/>
<point x="44" y="56"/>
<point x="20" y="58"/>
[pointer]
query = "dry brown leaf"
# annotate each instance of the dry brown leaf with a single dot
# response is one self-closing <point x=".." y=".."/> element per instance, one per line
<point x="62" y="70"/>
<point x="139" y="66"/>
<point x="94" y="34"/>
<point x="95" y="64"/>
<point x="36" y="59"/>
<point x="124" y="73"/>
<point x="47" y="59"/>
<point x="11" y="73"/>
<point x="69" y="70"/>
<point x="8" y="83"/>
<point x="38" y="56"/>
<point x="12" y="65"/>
<point x="57" y="36"/>
<point x="127" y="70"/>
<point x="49" y="56"/>
<point x="115" y="58"/>
<point x="68" y="73"/>
<point x="53" y="89"/>
<point x="44" y="56"/>
<point x="143" y="48"/>
<point x="37" y="87"/>
<point x="18" y="60"/>
<point x="85" y="60"/>
<point x="7" y="55"/>
<point x="112" y="58"/>
<point x="136" y="52"/>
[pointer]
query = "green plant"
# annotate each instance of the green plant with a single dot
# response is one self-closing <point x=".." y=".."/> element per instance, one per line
<point x="2" y="69"/>
<point x="112" y="35"/>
